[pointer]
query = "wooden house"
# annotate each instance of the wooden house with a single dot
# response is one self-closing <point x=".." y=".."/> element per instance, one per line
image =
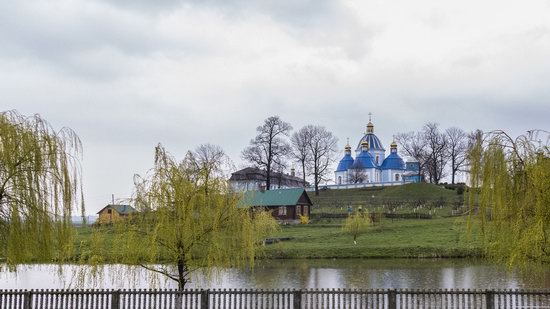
<point x="285" y="204"/>
<point x="113" y="213"/>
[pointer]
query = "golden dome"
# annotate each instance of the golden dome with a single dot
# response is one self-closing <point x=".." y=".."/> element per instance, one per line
<point x="370" y="127"/>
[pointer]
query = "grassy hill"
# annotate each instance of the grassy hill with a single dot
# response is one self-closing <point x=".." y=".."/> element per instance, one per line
<point x="413" y="194"/>
<point x="442" y="236"/>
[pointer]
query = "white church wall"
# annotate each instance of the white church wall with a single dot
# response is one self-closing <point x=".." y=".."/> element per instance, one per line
<point x="396" y="176"/>
<point x="341" y="177"/>
<point x="385" y="175"/>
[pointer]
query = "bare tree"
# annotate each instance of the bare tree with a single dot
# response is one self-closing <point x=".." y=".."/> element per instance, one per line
<point x="207" y="162"/>
<point x="300" y="150"/>
<point x="268" y="146"/>
<point x="356" y="175"/>
<point x="436" y="143"/>
<point x="278" y="169"/>
<point x="413" y="145"/>
<point x="456" y="149"/>
<point x="322" y="146"/>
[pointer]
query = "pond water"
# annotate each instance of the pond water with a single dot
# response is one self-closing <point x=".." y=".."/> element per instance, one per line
<point x="298" y="274"/>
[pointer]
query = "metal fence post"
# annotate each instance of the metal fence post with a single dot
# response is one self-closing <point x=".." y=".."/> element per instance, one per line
<point x="115" y="299"/>
<point x="297" y="301"/>
<point x="27" y="300"/>
<point x="490" y="299"/>
<point x="205" y="299"/>
<point x="392" y="299"/>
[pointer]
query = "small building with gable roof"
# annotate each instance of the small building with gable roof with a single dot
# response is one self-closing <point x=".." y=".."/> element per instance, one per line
<point x="114" y="212"/>
<point x="285" y="204"/>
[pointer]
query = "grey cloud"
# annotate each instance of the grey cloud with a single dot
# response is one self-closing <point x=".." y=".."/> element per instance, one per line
<point x="124" y="84"/>
<point x="314" y="22"/>
<point x="85" y="45"/>
<point x="297" y="11"/>
<point x="48" y="36"/>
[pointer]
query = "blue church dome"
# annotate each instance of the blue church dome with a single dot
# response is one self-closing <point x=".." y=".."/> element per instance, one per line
<point x="363" y="160"/>
<point x="393" y="162"/>
<point x="345" y="163"/>
<point x="373" y="140"/>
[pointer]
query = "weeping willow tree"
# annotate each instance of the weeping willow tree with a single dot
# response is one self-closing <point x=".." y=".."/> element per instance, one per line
<point x="512" y="181"/>
<point x="182" y="225"/>
<point x="356" y="224"/>
<point x="39" y="187"/>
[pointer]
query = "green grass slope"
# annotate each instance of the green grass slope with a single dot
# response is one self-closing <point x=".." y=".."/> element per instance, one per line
<point x="443" y="237"/>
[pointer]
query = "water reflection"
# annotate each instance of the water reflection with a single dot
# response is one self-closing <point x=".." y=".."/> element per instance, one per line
<point x="312" y="274"/>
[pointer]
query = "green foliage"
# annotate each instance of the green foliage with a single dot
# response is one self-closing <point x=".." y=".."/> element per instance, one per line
<point x="184" y="221"/>
<point x="512" y="181"/>
<point x="39" y="186"/>
<point x="356" y="224"/>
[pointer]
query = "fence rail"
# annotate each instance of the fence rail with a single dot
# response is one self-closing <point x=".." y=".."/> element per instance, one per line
<point x="273" y="299"/>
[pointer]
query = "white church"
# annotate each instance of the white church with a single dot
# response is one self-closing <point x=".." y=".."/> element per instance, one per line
<point x="371" y="164"/>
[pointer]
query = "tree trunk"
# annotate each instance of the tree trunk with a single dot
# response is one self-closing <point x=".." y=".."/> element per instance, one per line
<point x="268" y="175"/>
<point x="316" y="183"/>
<point x="181" y="275"/>
<point x="181" y="283"/>
<point x="304" y="172"/>
<point x="453" y="170"/>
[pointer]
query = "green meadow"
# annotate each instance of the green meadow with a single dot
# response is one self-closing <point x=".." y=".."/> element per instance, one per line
<point x="400" y="238"/>
<point x="443" y="236"/>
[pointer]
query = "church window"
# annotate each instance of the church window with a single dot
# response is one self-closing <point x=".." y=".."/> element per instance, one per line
<point x="377" y="159"/>
<point x="396" y="177"/>
<point x="339" y="180"/>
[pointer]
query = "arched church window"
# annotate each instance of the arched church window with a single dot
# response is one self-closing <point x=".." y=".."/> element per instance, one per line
<point x="339" y="180"/>
<point x="377" y="159"/>
<point x="396" y="177"/>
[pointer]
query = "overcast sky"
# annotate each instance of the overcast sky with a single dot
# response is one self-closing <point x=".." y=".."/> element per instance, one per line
<point x="128" y="74"/>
